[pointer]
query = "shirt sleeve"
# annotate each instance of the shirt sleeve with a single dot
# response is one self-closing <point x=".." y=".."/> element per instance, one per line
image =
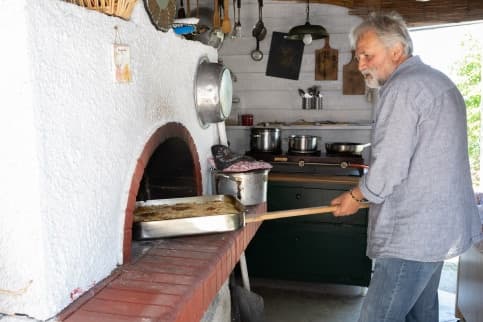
<point x="394" y="140"/>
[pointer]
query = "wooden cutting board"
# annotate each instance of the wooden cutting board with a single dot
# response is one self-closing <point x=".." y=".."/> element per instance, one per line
<point x="352" y="80"/>
<point x="326" y="62"/>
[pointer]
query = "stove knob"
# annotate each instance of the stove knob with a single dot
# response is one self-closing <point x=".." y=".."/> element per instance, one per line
<point x="344" y="164"/>
<point x="301" y="163"/>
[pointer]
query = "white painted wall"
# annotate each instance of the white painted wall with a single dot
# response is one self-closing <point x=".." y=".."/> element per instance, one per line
<point x="70" y="138"/>
<point x="277" y="99"/>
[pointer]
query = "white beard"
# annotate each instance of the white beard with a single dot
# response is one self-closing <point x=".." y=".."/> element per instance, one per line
<point x="371" y="80"/>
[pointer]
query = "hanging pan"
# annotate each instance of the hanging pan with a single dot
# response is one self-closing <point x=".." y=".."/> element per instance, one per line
<point x="203" y="215"/>
<point x="213" y="92"/>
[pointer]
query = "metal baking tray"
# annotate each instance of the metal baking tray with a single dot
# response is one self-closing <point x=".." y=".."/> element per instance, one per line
<point x="203" y="224"/>
<point x="209" y="223"/>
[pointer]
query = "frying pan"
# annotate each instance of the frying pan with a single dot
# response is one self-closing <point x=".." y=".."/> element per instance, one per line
<point x="345" y="148"/>
<point x="206" y="224"/>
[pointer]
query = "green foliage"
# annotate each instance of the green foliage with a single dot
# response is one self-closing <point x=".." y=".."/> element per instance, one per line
<point x="468" y="79"/>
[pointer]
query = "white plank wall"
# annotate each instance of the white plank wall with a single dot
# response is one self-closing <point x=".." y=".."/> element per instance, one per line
<point x="277" y="99"/>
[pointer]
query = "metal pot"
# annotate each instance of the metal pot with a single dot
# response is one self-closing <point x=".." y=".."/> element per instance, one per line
<point x="213" y="92"/>
<point x="345" y="148"/>
<point x="265" y="139"/>
<point x="249" y="187"/>
<point x="302" y="143"/>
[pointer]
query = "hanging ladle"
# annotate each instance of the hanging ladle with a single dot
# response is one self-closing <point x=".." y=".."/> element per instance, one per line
<point x="259" y="31"/>
<point x="257" y="54"/>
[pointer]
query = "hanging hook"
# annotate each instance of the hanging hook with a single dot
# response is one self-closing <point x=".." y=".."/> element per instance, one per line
<point x="307" y="10"/>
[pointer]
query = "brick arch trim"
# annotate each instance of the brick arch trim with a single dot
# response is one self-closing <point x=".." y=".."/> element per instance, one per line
<point x="169" y="130"/>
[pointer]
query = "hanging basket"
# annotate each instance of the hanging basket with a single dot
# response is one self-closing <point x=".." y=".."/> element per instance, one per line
<point x="118" y="8"/>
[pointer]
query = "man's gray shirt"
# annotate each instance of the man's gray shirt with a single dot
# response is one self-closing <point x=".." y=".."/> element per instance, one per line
<point x="423" y="205"/>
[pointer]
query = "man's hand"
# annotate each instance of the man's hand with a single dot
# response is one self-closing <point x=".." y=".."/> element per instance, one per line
<point x="346" y="204"/>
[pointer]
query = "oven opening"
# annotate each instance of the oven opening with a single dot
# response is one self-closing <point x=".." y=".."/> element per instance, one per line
<point x="168" y="167"/>
<point x="169" y="172"/>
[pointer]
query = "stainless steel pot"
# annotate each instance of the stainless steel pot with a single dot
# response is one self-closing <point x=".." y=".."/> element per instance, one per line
<point x="213" y="92"/>
<point x="345" y="148"/>
<point x="265" y="139"/>
<point x="302" y="143"/>
<point x="249" y="187"/>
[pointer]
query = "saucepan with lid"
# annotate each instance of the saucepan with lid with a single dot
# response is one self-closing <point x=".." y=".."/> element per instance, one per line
<point x="249" y="187"/>
<point x="264" y="139"/>
<point x="302" y="143"/>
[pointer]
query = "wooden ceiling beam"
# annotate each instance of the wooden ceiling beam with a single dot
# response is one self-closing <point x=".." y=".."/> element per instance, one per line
<point x="415" y="13"/>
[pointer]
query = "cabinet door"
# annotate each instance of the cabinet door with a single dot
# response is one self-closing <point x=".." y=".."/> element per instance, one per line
<point x="469" y="296"/>
<point x="281" y="197"/>
<point x="310" y="252"/>
<point x="315" y="248"/>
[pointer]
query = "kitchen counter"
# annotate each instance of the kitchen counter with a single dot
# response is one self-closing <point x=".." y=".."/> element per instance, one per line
<point x="311" y="178"/>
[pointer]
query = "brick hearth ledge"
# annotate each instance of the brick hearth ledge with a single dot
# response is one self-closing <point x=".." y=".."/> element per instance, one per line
<point x="175" y="280"/>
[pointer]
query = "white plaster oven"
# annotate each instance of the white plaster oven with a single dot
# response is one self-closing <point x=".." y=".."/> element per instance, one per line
<point x="71" y="138"/>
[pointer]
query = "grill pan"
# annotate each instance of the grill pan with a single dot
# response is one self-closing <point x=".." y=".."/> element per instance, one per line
<point x="206" y="223"/>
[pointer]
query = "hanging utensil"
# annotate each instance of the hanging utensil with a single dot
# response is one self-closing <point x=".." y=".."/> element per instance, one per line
<point x="238" y="27"/>
<point x="181" y="12"/>
<point x="257" y="54"/>
<point x="233" y="30"/>
<point x="226" y="24"/>
<point x="259" y="31"/>
<point x="216" y="15"/>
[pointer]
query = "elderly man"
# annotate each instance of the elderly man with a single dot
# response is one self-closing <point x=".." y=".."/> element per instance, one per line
<point x="422" y="206"/>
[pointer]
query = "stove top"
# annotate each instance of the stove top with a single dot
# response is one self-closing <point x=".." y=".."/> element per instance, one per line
<point x="313" y="163"/>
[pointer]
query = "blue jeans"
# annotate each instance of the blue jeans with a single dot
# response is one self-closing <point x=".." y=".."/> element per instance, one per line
<point x="402" y="291"/>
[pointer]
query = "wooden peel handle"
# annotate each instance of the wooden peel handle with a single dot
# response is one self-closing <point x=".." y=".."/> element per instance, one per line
<point x="294" y="213"/>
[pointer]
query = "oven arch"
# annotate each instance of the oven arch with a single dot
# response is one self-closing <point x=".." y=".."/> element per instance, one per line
<point x="173" y="137"/>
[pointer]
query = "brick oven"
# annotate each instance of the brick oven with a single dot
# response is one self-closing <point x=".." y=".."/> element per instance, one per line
<point x="77" y="146"/>
<point x="174" y="279"/>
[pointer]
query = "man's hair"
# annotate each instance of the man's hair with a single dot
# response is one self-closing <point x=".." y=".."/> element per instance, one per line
<point x="389" y="27"/>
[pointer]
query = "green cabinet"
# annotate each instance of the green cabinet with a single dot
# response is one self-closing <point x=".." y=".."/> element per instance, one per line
<point x="315" y="248"/>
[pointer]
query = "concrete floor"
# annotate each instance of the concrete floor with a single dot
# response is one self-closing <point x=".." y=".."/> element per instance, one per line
<point x="297" y="302"/>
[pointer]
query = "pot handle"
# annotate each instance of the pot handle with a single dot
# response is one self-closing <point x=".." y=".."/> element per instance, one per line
<point x="228" y="177"/>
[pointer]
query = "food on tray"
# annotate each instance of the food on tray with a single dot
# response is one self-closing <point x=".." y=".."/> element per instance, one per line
<point x="183" y="210"/>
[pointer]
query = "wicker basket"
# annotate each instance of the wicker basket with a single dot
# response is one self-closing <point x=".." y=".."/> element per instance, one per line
<point x="119" y="8"/>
